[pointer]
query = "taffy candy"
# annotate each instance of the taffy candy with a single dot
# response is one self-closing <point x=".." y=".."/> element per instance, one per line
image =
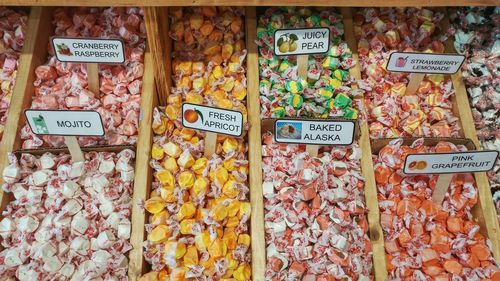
<point x="67" y="221"/>
<point x="12" y="31"/>
<point x="424" y="240"/>
<point x="391" y="112"/>
<point x="475" y="31"/>
<point x="315" y="215"/>
<point x="61" y="85"/>
<point x="199" y="208"/>
<point x="282" y="92"/>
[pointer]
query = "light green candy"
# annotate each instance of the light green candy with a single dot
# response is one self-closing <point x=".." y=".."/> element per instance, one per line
<point x="284" y="66"/>
<point x="340" y="74"/>
<point x="335" y="83"/>
<point x="342" y="101"/>
<point x="351" y="113"/>
<point x="296" y="101"/>
<point x="334" y="51"/>
<point x="293" y="87"/>
<point x="330" y="62"/>
<point x="278" y="111"/>
<point x="326" y="93"/>
<point x="273" y="63"/>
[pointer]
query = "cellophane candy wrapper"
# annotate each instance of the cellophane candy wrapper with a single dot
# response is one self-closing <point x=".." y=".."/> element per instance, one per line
<point x="315" y="214"/>
<point x="425" y="241"/>
<point x="199" y="208"/>
<point x="476" y="32"/>
<point x="325" y="92"/>
<point x="392" y="113"/>
<point x="67" y="221"/>
<point x="12" y="32"/>
<point x="64" y="85"/>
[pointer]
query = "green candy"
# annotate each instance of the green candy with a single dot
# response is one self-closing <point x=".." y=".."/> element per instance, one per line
<point x="326" y="93"/>
<point x="342" y="101"/>
<point x="293" y="87"/>
<point x="334" y="51"/>
<point x="278" y="87"/>
<point x="313" y="20"/>
<point x="264" y="83"/>
<point x="261" y="32"/>
<point x="335" y="83"/>
<point x="284" y="66"/>
<point x="330" y="103"/>
<point x="274" y="62"/>
<point x="330" y="62"/>
<point x="340" y="74"/>
<point x="278" y="111"/>
<point x="296" y="101"/>
<point x="351" y="113"/>
<point x="325" y="22"/>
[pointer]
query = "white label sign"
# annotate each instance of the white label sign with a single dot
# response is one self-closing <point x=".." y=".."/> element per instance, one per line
<point x="65" y="122"/>
<point x="322" y="132"/>
<point x="88" y="50"/>
<point x="425" y="63"/>
<point x="445" y="163"/>
<point x="303" y="41"/>
<point x="212" y="119"/>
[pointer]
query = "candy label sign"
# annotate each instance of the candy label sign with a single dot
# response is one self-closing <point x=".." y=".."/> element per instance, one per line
<point x="445" y="163"/>
<point x="88" y="50"/>
<point x="425" y="63"/>
<point x="65" y="122"/>
<point x="303" y="41"/>
<point x="212" y="119"/>
<point x="322" y="132"/>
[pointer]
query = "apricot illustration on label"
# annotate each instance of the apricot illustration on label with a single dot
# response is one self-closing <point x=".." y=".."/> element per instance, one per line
<point x="421" y="165"/>
<point x="191" y="115"/>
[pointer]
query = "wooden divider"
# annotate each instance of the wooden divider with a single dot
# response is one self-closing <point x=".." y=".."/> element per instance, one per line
<point x="375" y="229"/>
<point x="485" y="210"/>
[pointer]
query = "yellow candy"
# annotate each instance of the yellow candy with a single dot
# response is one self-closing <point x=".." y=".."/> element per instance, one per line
<point x="229" y="189"/>
<point x="185" y="160"/>
<point x="199" y="165"/>
<point x="167" y="194"/>
<point x="200" y="186"/>
<point x="208" y="265"/>
<point x="219" y="95"/>
<point x="171" y="165"/>
<point x="228" y="85"/>
<point x="184" y="82"/>
<point x="202" y="240"/>
<point x="244" y="239"/>
<point x="335" y="83"/>
<point x="217" y="72"/>
<point x="217" y="248"/>
<point x="186" y="179"/>
<point x="234" y="66"/>
<point x="187" y="134"/>
<point x="245" y="209"/>
<point x="180" y="250"/>
<point x="191" y="256"/>
<point x="159" y="234"/>
<point x="186" y="226"/>
<point x="165" y="177"/>
<point x="219" y="212"/>
<point x="198" y="67"/>
<point x="154" y="205"/>
<point x="194" y="98"/>
<point x="194" y="140"/>
<point x="196" y="21"/>
<point x="229" y="164"/>
<point x="436" y="79"/>
<point x="199" y="83"/>
<point x="227" y="51"/>
<point x="227" y="275"/>
<point x="178" y="274"/>
<point x="230" y="144"/>
<point x="186" y="211"/>
<point x="243" y="272"/>
<point x="172" y="149"/>
<point x="233" y="208"/>
<point x="159" y="218"/>
<point x="239" y="91"/>
<point x="212" y="48"/>
<point x="230" y="239"/>
<point x="232" y="222"/>
<point x="224" y="103"/>
<point x="221" y="175"/>
<point x="157" y="152"/>
<point x="231" y="263"/>
<point x="160" y="127"/>
<point x="184" y="67"/>
<point x="150" y="276"/>
<point x="175" y="100"/>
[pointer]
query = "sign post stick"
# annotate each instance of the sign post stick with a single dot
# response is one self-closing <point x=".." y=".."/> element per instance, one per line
<point x="415" y="80"/>
<point x="74" y="148"/>
<point x="302" y="66"/>
<point x="93" y="78"/>
<point x="210" y="144"/>
<point x="441" y="188"/>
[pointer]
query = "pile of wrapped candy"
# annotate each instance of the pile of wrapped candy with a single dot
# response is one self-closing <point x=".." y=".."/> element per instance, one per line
<point x="325" y="91"/>
<point x="315" y="219"/>
<point x="68" y="221"/>
<point x="476" y="32"/>
<point x="198" y="228"/>
<point x="12" y="30"/>
<point x="423" y="240"/>
<point x="391" y="112"/>
<point x="61" y="85"/>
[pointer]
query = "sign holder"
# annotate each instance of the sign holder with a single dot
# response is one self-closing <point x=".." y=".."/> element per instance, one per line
<point x="74" y="148"/>
<point x="93" y="78"/>
<point x="210" y="144"/>
<point x="302" y="65"/>
<point x="414" y="83"/>
<point x="441" y="188"/>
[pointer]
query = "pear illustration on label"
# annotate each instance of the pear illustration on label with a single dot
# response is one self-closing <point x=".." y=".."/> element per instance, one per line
<point x="191" y="115"/>
<point x="287" y="43"/>
<point x="40" y="124"/>
<point x="62" y="49"/>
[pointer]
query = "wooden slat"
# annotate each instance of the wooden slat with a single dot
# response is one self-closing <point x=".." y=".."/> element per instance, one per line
<point x="143" y="173"/>
<point x="157" y="25"/>
<point x="375" y="229"/>
<point x="484" y="211"/>
<point x="337" y="3"/>
<point x="32" y="55"/>
<point x="255" y="149"/>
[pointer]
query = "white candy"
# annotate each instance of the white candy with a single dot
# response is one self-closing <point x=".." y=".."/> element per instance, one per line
<point x="12" y="258"/>
<point x="113" y="220"/>
<point x="79" y="224"/>
<point x="63" y="248"/>
<point x="24" y="273"/>
<point x="7" y="226"/>
<point x="101" y="257"/>
<point x="107" y="166"/>
<point x="19" y="191"/>
<point x="123" y="165"/>
<point x="67" y="270"/>
<point x="80" y="245"/>
<point x="34" y="194"/>
<point x="70" y="188"/>
<point x="105" y="239"/>
<point x="127" y="176"/>
<point x="93" y="244"/>
<point x="76" y="170"/>
<point x="338" y="241"/>
<point x="267" y="188"/>
<point x="99" y="183"/>
<point x="340" y="193"/>
<point x="52" y="264"/>
<point x="71" y="207"/>
<point x="121" y="261"/>
<point x="42" y="235"/>
<point x="124" y="229"/>
<point x="307" y="174"/>
<point x="28" y="224"/>
<point x="276" y="226"/>
<point x="62" y="222"/>
<point x="11" y="173"/>
<point x="47" y="161"/>
<point x="106" y="207"/>
<point x="40" y="178"/>
<point x="47" y="250"/>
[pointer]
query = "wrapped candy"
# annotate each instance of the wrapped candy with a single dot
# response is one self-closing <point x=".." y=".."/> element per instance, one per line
<point x="283" y="93"/>
<point x="198" y="228"/>
<point x="12" y="31"/>
<point x="68" y="221"/>
<point x="392" y="113"/>
<point x="61" y="85"/>
<point x="315" y="219"/>
<point x="475" y="31"/>
<point x="423" y="240"/>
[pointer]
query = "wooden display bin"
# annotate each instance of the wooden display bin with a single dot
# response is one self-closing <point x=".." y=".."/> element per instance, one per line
<point x="35" y="53"/>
